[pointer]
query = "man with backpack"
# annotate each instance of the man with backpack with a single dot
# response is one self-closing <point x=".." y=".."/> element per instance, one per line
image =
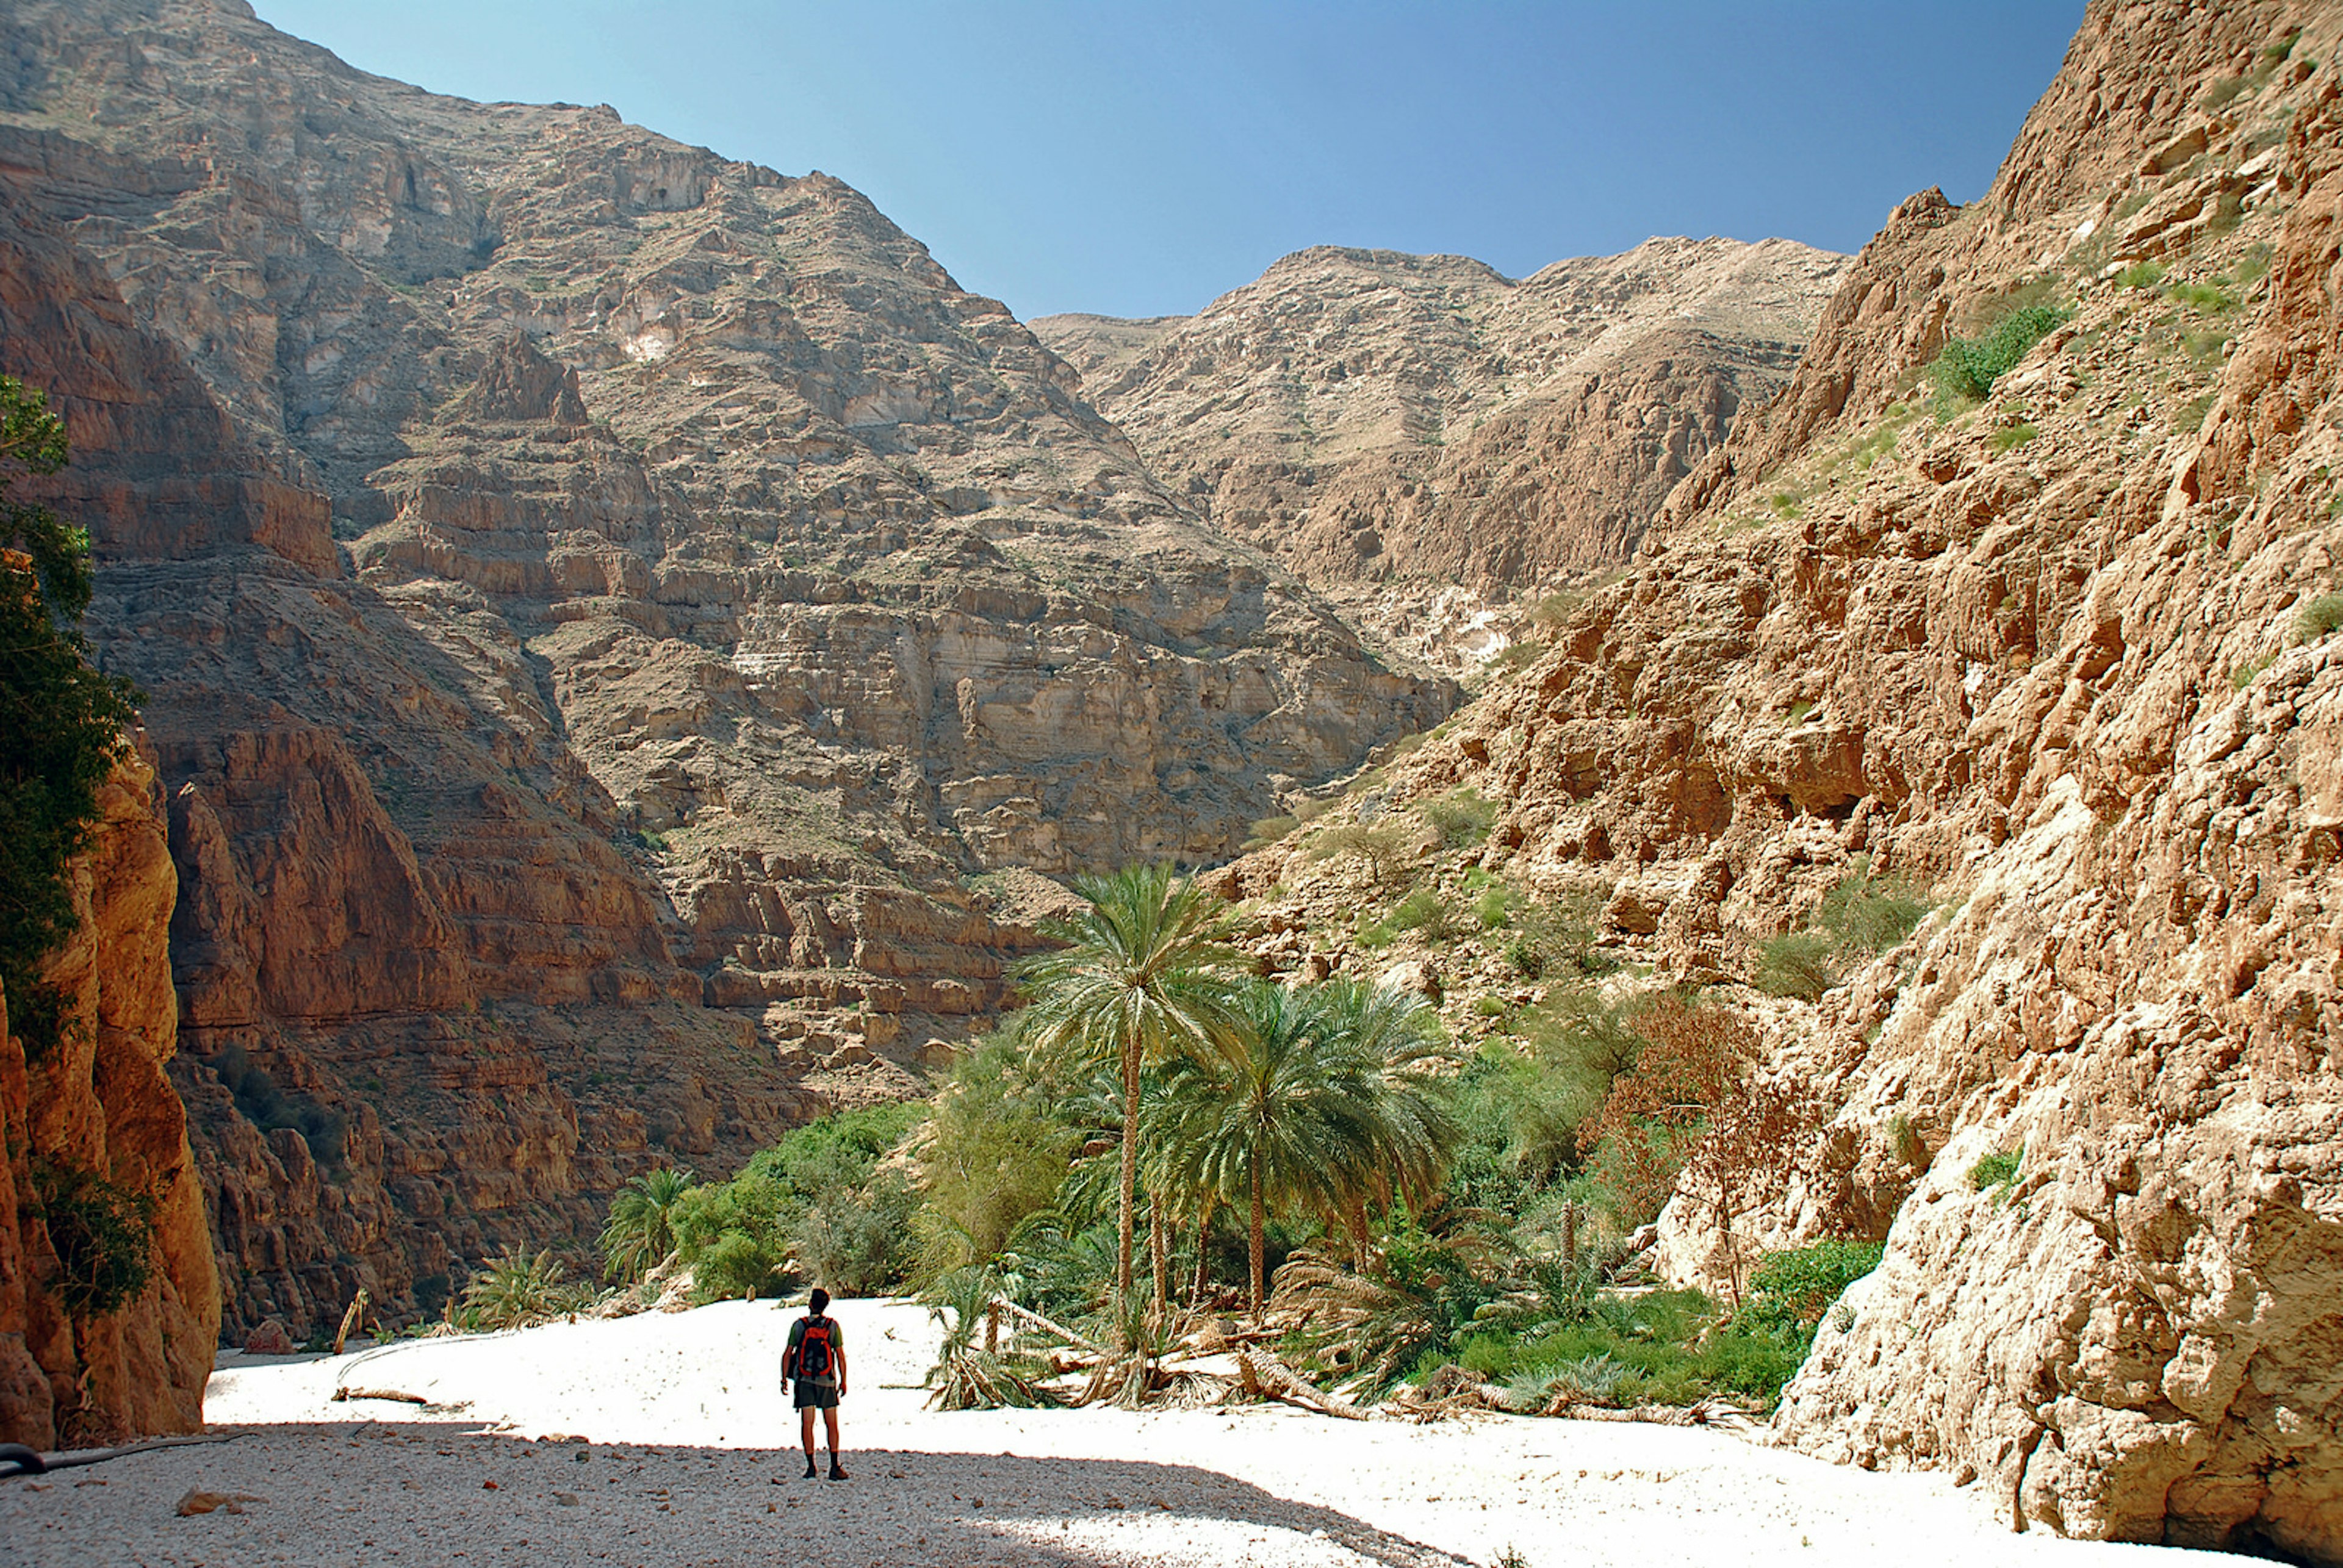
<point x="816" y="1362"/>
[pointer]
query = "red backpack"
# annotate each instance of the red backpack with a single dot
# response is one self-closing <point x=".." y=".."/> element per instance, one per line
<point x="812" y="1359"/>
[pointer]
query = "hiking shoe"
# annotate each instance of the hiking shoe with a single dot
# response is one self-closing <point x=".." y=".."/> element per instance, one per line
<point x="810" y="1470"/>
<point x="837" y="1470"/>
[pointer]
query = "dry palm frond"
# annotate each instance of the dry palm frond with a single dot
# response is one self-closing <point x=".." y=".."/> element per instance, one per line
<point x="971" y="1379"/>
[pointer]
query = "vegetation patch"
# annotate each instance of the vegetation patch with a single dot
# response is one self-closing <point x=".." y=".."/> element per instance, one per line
<point x="103" y="1235"/>
<point x="1965" y="372"/>
<point x="2319" y="616"/>
<point x="61" y="721"/>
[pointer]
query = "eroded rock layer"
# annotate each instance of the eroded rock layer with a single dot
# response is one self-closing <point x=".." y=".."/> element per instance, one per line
<point x="99" y="1102"/>
<point x="1378" y="417"/>
<point x="2064" y="659"/>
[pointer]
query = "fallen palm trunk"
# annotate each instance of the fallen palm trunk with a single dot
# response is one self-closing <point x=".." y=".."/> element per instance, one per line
<point x="1265" y="1374"/>
<point x="1707" y="1412"/>
<point x="1026" y="1314"/>
<point x="403" y="1397"/>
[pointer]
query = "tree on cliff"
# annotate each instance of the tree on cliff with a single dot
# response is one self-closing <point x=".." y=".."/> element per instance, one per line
<point x="1133" y="984"/>
<point x="61" y="721"/>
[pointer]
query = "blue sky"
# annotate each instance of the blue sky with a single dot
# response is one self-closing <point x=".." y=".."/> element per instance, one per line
<point x="1140" y="159"/>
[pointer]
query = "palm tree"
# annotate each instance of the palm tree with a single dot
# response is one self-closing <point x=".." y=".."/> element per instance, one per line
<point x="1320" y="1112"/>
<point x="1135" y="983"/>
<point x="1382" y="1037"/>
<point x="640" y="1234"/>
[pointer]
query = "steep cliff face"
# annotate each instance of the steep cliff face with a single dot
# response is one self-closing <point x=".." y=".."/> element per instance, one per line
<point x="100" y="1102"/>
<point x="2061" y="659"/>
<point x="613" y="618"/>
<point x="1374" y="417"/>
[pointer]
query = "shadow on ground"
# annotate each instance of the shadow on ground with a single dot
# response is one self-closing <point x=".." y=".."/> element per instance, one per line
<point x="374" y="1492"/>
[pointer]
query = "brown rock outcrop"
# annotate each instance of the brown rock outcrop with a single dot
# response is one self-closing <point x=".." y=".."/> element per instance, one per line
<point x="100" y="1102"/>
<point x="2064" y="660"/>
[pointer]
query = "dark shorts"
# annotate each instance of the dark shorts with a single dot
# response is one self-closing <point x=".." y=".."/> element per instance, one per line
<point x="816" y="1395"/>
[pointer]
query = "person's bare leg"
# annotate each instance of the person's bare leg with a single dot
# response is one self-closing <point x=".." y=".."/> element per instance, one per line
<point x="829" y="1419"/>
<point x="804" y="1428"/>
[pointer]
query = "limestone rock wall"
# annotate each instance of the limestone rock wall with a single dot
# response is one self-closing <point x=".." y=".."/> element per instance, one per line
<point x="1377" y="418"/>
<point x="2064" y="660"/>
<point x="101" y="1101"/>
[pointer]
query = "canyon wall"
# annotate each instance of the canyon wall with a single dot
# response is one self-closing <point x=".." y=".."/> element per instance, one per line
<point x="1392" y="426"/>
<point x="622" y="629"/>
<point x="99" y="1102"/>
<point x="2060" y="659"/>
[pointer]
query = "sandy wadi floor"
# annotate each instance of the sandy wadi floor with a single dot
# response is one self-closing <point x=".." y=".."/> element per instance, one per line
<point x="687" y="1460"/>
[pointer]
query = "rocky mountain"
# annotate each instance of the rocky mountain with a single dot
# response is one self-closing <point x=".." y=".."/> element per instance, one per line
<point x="623" y="630"/>
<point x="2060" y="658"/>
<point x="100" y="1102"/>
<point x="1421" y="421"/>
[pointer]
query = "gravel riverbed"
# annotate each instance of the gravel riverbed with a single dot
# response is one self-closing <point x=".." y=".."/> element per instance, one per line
<point x="665" y="1439"/>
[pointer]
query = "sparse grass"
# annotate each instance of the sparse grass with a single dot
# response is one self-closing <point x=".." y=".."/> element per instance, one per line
<point x="1996" y="1170"/>
<point x="2190" y="417"/>
<point x="2009" y="437"/>
<point x="2243" y="676"/>
<point x="2208" y="297"/>
<point x="1787" y="504"/>
<point x="2140" y="275"/>
<point x="2319" y="616"/>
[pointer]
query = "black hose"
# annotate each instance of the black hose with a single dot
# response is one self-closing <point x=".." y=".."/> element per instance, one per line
<point x="15" y="1459"/>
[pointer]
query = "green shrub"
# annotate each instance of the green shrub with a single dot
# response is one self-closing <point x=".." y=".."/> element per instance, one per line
<point x="1790" y="1292"/>
<point x="1493" y="907"/>
<point x="1998" y="1169"/>
<point x="2140" y="275"/>
<point x="1871" y="913"/>
<point x="103" y="1235"/>
<point x="518" y="1287"/>
<point x="1268" y="830"/>
<point x="268" y="1108"/>
<point x="1966" y="369"/>
<point x="2206" y="297"/>
<point x="2243" y="676"/>
<point x="1797" y="964"/>
<point x="1460" y="817"/>
<point x="1425" y="911"/>
<point x="2009" y="437"/>
<point x="2319" y="616"/>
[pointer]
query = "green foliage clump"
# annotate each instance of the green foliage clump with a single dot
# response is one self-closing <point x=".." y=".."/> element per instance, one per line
<point x="1268" y="830"/>
<point x="2209" y="298"/>
<point x="1790" y="1292"/>
<point x="2009" y="437"/>
<point x="1965" y="372"/>
<point x="1460" y="817"/>
<point x="2319" y="616"/>
<point x="518" y="1287"/>
<point x="1801" y="964"/>
<point x="103" y="1235"/>
<point x="269" y="1108"/>
<point x="993" y="1156"/>
<point x="2140" y="275"/>
<point x="815" y="1207"/>
<point x="1996" y="1170"/>
<point x="1386" y="852"/>
<point x="61" y="721"/>
<point x="640" y="1231"/>
<point x="1558" y="938"/>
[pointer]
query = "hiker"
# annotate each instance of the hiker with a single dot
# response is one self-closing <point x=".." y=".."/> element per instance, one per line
<point x="816" y="1362"/>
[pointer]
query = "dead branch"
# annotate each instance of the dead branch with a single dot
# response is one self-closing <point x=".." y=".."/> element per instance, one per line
<point x="348" y="1393"/>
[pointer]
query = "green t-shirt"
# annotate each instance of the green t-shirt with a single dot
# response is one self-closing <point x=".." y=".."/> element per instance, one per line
<point x="837" y="1349"/>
